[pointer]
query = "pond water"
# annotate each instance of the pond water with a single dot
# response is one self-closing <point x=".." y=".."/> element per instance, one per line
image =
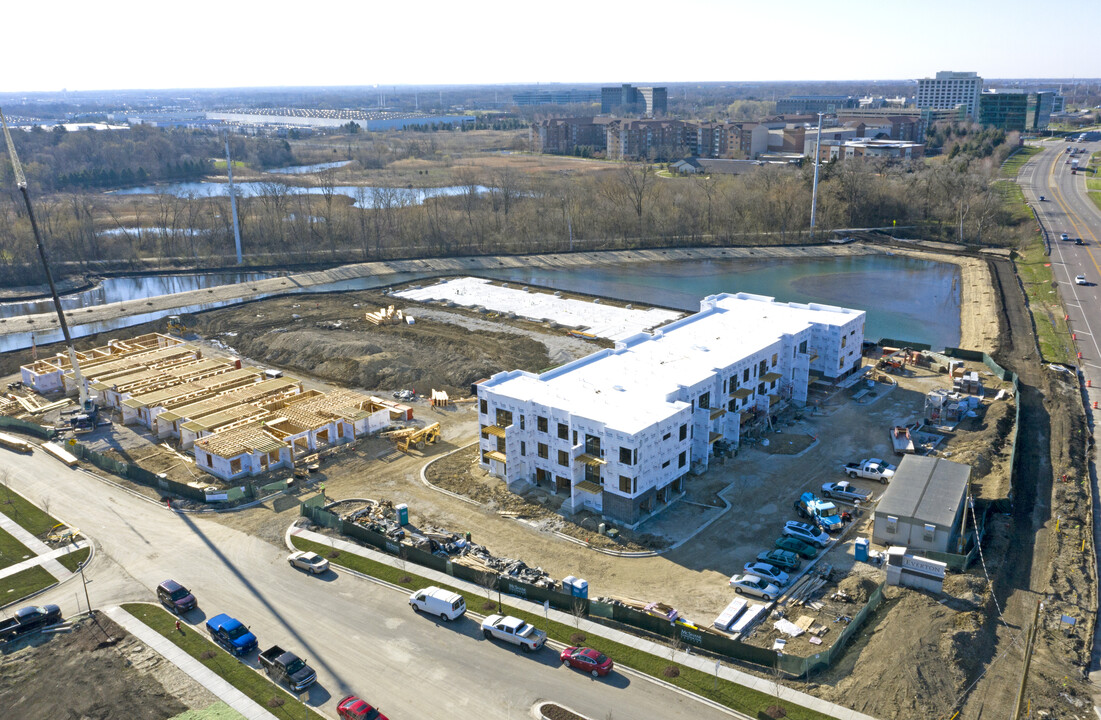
<point x="364" y="197"/>
<point x="122" y="289"/>
<point x="905" y="298"/>
<point x="307" y="169"/>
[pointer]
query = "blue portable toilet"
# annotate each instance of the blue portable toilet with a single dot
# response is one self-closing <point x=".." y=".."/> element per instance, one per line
<point x="581" y="589"/>
<point x="403" y="513"/>
<point x="860" y="549"/>
<point x="567" y="584"/>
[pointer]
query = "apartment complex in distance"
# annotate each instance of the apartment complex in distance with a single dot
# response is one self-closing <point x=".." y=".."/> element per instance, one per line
<point x="620" y="430"/>
<point x="949" y="90"/>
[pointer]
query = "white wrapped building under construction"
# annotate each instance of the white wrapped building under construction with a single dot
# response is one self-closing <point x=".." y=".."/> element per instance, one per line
<point x="620" y="429"/>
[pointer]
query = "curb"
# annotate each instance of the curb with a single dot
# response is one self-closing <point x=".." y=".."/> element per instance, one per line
<point x="59" y="583"/>
<point x="554" y="644"/>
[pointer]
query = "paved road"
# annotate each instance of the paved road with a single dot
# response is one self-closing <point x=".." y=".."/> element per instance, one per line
<point x="360" y="637"/>
<point x="1067" y="209"/>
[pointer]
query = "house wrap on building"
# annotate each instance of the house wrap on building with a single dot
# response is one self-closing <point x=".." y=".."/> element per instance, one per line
<point x="620" y="429"/>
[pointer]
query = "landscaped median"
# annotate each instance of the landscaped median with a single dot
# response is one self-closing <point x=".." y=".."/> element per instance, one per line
<point x="1038" y="281"/>
<point x="39" y="523"/>
<point x="258" y="688"/>
<point x="704" y="684"/>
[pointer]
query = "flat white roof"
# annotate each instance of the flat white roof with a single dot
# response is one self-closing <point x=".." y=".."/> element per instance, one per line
<point x="628" y="388"/>
<point x="606" y="321"/>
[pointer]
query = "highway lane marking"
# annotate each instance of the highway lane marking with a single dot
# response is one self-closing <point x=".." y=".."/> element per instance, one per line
<point x="1058" y="195"/>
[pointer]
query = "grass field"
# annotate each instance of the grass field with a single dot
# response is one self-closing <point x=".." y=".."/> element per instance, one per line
<point x="215" y="711"/>
<point x="236" y="673"/>
<point x="1039" y="283"/>
<point x="72" y="561"/>
<point x="12" y="551"/>
<point x="1013" y="164"/>
<point x="727" y="693"/>
<point x="21" y="584"/>
<point x="1096" y="197"/>
<point x="19" y="509"/>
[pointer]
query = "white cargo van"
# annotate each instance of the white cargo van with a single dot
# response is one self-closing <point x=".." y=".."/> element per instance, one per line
<point x="437" y="601"/>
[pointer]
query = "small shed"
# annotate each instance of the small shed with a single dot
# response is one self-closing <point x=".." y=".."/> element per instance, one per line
<point x="923" y="506"/>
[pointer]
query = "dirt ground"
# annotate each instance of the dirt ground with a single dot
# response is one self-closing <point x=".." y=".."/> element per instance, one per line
<point x="919" y="655"/>
<point x="96" y="672"/>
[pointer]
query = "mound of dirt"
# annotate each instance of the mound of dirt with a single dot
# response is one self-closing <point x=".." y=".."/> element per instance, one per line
<point x="858" y="587"/>
<point x="427" y="355"/>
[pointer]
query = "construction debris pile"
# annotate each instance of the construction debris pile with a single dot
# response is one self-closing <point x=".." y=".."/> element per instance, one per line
<point x="384" y="518"/>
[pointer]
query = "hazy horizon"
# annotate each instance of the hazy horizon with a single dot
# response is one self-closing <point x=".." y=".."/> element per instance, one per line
<point x="129" y="45"/>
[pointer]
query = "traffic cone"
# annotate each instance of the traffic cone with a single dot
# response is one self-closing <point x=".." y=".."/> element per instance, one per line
<point x="1089" y="383"/>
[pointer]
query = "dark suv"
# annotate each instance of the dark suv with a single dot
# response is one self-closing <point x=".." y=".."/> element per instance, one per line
<point x="176" y="597"/>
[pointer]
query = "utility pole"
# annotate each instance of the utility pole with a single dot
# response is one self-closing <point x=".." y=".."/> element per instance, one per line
<point x="21" y="183"/>
<point x="814" y="187"/>
<point x="233" y="201"/>
<point x="1029" y="646"/>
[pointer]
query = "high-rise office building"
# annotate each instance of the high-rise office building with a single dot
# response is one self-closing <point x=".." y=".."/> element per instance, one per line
<point x="950" y="89"/>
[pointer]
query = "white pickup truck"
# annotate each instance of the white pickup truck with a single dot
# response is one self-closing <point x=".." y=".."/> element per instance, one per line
<point x="513" y="630"/>
<point x="871" y="469"/>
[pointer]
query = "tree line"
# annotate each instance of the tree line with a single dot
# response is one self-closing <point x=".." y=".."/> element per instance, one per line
<point x="504" y="211"/>
<point x="60" y="161"/>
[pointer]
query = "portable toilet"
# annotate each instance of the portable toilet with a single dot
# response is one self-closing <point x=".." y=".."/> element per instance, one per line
<point x="860" y="549"/>
<point x="581" y="589"/>
<point x="567" y="584"/>
<point x="403" y="513"/>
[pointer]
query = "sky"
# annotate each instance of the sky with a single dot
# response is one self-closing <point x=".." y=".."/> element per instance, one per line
<point x="126" y="44"/>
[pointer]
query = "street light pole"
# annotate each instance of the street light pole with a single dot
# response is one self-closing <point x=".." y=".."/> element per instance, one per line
<point x="814" y="187"/>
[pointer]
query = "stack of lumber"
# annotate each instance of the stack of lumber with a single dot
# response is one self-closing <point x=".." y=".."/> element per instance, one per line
<point x="440" y="399"/>
<point x="385" y="316"/>
<point x="803" y="591"/>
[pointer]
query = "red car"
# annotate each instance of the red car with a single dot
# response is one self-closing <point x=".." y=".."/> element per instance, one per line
<point x="583" y="658"/>
<point x="353" y="708"/>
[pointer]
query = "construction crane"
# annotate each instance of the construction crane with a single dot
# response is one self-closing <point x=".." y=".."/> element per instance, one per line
<point x="86" y="419"/>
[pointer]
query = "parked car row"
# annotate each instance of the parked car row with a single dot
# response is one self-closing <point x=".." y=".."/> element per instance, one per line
<point x="448" y="606"/>
<point x="767" y="575"/>
<point x="282" y="666"/>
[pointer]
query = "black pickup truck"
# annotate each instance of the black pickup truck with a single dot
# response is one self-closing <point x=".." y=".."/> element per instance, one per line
<point x="287" y="668"/>
<point x="29" y="618"/>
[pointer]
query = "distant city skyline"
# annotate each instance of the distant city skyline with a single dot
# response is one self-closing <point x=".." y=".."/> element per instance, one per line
<point x="138" y="45"/>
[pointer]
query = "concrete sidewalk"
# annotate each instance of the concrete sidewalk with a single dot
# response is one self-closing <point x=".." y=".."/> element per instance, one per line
<point x="702" y="664"/>
<point x="199" y="672"/>
<point x="42" y="559"/>
<point x="34" y="545"/>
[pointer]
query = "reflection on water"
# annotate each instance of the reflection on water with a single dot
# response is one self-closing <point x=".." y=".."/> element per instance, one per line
<point x="18" y="341"/>
<point x="904" y="297"/>
<point x="306" y="169"/>
<point x="122" y="289"/>
<point x="364" y="197"/>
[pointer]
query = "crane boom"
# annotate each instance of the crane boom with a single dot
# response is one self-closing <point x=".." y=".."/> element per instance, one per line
<point x="21" y="182"/>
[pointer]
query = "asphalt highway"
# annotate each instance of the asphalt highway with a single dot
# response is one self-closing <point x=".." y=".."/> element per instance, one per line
<point x="360" y="637"/>
<point x="1066" y="208"/>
